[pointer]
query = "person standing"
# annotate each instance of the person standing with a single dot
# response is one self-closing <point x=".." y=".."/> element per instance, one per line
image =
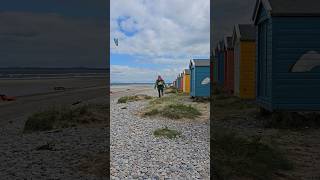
<point x="160" y="85"/>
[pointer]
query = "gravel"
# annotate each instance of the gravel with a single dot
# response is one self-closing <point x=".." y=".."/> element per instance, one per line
<point x="21" y="157"/>
<point x="137" y="154"/>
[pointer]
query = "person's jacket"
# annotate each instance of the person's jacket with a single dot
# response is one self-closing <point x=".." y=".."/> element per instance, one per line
<point x="160" y="84"/>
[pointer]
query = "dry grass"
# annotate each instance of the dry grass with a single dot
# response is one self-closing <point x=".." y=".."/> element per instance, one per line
<point x="171" y="90"/>
<point x="245" y="157"/>
<point x="166" y="132"/>
<point x="173" y="107"/>
<point x="295" y="135"/>
<point x="64" y="117"/>
<point x="126" y="99"/>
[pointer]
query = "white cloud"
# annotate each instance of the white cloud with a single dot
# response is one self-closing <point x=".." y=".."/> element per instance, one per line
<point x="127" y="74"/>
<point x="170" y="32"/>
<point x="129" y="25"/>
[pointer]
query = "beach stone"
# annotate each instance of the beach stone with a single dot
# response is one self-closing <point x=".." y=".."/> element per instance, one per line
<point x="148" y="157"/>
<point x="20" y="158"/>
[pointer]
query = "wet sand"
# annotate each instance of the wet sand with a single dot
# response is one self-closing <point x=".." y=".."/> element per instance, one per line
<point x="18" y="151"/>
<point x="35" y="95"/>
<point x="118" y="91"/>
<point x="27" y="87"/>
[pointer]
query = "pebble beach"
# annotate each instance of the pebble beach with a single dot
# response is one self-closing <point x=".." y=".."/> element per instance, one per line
<point x="137" y="154"/>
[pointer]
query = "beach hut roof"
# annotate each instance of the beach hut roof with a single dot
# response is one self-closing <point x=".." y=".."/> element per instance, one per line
<point x="288" y="8"/>
<point x="186" y="71"/>
<point x="220" y="45"/>
<point x="246" y="32"/>
<point x="228" y="42"/>
<point x="199" y="62"/>
<point x="217" y="47"/>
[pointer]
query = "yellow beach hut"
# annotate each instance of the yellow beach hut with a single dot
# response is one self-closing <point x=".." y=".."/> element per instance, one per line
<point x="186" y="81"/>
<point x="244" y="43"/>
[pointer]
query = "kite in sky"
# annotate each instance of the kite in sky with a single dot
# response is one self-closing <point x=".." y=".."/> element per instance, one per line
<point x="116" y="41"/>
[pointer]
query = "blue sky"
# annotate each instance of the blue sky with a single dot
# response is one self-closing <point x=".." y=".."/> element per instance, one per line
<point x="157" y="37"/>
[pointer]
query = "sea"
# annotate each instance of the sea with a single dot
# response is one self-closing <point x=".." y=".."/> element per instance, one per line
<point x="38" y="73"/>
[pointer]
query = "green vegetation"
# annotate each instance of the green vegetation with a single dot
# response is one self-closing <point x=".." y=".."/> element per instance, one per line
<point x="172" y="107"/>
<point x="64" y="117"/>
<point x="242" y="157"/>
<point x="171" y="90"/>
<point x="225" y="101"/>
<point x="166" y="132"/>
<point x="292" y="120"/>
<point x="178" y="111"/>
<point x="126" y="99"/>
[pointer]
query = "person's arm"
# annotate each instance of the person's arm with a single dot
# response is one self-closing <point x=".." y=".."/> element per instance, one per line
<point x="155" y="85"/>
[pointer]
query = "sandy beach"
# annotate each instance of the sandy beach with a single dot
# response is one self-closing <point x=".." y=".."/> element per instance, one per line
<point x="137" y="154"/>
<point x="20" y="155"/>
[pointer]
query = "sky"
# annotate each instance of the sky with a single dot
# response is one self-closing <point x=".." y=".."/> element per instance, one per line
<point x="53" y="33"/>
<point x="156" y="37"/>
<point x="227" y="13"/>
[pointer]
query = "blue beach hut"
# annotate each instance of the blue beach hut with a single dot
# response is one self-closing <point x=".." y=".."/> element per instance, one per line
<point x="178" y="82"/>
<point x="199" y="77"/>
<point x="288" y="54"/>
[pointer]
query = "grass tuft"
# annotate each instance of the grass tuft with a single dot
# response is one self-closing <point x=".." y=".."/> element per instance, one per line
<point x="64" y="117"/>
<point x="235" y="156"/>
<point x="171" y="90"/>
<point x="126" y="99"/>
<point x="166" y="132"/>
<point x="174" y="111"/>
<point x="178" y="111"/>
<point x="173" y="107"/>
<point x="225" y="101"/>
<point x="292" y="120"/>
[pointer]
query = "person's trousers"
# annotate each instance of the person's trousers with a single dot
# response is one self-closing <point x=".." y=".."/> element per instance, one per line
<point x="160" y="91"/>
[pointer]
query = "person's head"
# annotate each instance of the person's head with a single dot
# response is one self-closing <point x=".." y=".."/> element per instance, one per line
<point x="159" y="78"/>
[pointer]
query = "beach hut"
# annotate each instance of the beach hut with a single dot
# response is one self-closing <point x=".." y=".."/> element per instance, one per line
<point x="220" y="64"/>
<point x="199" y="77"/>
<point x="214" y="65"/>
<point x="244" y="44"/>
<point x="288" y="60"/>
<point x="229" y="65"/>
<point x="181" y="82"/>
<point x="186" y="81"/>
<point x="178" y="82"/>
